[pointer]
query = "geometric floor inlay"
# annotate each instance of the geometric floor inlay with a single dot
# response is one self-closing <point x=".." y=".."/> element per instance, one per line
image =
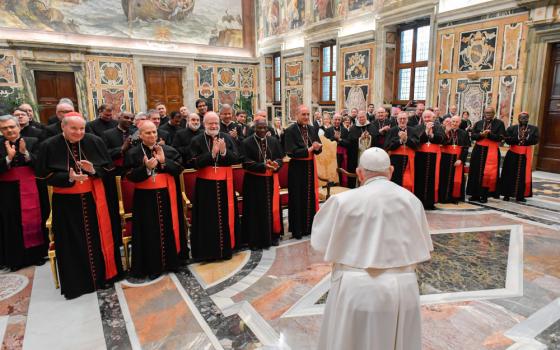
<point x="11" y="284"/>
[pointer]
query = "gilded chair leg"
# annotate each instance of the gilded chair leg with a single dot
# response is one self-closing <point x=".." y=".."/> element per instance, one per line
<point x="125" y="249"/>
<point x="52" y="259"/>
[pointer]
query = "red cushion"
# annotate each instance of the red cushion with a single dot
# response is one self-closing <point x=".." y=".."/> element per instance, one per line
<point x="189" y="178"/>
<point x="127" y="188"/>
<point x="238" y="176"/>
<point x="284" y="200"/>
<point x="128" y="229"/>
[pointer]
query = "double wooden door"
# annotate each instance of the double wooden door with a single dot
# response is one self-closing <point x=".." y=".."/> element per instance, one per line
<point x="51" y="87"/>
<point x="549" y="147"/>
<point x="164" y="85"/>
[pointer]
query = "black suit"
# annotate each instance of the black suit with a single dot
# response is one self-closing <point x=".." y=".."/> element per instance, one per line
<point x="171" y="130"/>
<point x="182" y="143"/>
<point x="99" y="126"/>
<point x="53" y="129"/>
<point x="31" y="131"/>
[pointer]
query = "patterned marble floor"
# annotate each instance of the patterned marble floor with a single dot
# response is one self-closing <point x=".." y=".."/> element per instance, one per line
<point x="493" y="283"/>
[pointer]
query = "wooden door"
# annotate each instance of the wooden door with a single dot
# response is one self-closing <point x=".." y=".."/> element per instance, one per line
<point x="164" y="85"/>
<point x="51" y="87"/>
<point x="549" y="147"/>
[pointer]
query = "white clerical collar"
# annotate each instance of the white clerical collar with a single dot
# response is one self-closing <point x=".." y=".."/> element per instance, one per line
<point x="371" y="179"/>
<point x="149" y="147"/>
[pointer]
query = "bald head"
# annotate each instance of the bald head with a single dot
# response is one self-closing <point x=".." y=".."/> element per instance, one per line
<point x="147" y="132"/>
<point x="212" y="124"/>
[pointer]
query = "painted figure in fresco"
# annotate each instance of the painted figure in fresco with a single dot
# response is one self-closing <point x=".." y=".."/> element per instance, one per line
<point x="157" y="9"/>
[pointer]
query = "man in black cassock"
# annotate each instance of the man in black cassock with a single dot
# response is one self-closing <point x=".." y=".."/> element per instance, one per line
<point x="426" y="160"/>
<point x="339" y="133"/>
<point x="361" y="136"/>
<point x="103" y="122"/>
<point x="26" y="107"/>
<point x="26" y="129"/>
<point x="228" y="126"/>
<point x="61" y="110"/>
<point x="163" y="136"/>
<point x="454" y="151"/>
<point x="172" y="126"/>
<point x="241" y="118"/>
<point x="485" y="157"/>
<point x="156" y="228"/>
<point x="162" y="111"/>
<point x="183" y="138"/>
<point x="74" y="163"/>
<point x="215" y="232"/>
<point x="262" y="214"/>
<point x="382" y="123"/>
<point x="401" y="142"/>
<point x="201" y="108"/>
<point x="415" y="119"/>
<point x="302" y="144"/>
<point x="516" y="179"/>
<point x="22" y="238"/>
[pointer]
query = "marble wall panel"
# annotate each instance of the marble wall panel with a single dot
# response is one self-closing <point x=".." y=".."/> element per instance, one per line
<point x="234" y="84"/>
<point x="110" y="80"/>
<point x="506" y="98"/>
<point x="354" y="87"/>
<point x="512" y="44"/>
<point x="444" y="92"/>
<point x="477" y="49"/>
<point x="473" y="96"/>
<point x="446" y="51"/>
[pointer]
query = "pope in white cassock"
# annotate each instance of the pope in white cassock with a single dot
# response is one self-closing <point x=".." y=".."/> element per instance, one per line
<point x="374" y="235"/>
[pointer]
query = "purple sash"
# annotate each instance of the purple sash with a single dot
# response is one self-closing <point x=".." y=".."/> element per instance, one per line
<point x="29" y="204"/>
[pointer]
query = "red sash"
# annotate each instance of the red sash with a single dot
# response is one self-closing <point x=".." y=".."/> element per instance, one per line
<point x="276" y="224"/>
<point x="490" y="177"/>
<point x="433" y="148"/>
<point x="95" y="186"/>
<point x="163" y="181"/>
<point x="30" y="205"/>
<point x="528" y="152"/>
<point x="344" y="165"/>
<point x="408" y="175"/>
<point x="218" y="174"/>
<point x="311" y="156"/>
<point x="458" y="178"/>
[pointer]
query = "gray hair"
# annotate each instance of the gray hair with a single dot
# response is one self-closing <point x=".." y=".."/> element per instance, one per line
<point x="65" y="120"/>
<point x="225" y="106"/>
<point x="8" y="117"/>
<point x="140" y="115"/>
<point x="66" y="100"/>
<point x="152" y="111"/>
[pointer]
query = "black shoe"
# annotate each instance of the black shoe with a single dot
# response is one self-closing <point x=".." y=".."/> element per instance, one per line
<point x="506" y="198"/>
<point x="254" y="248"/>
<point x="154" y="276"/>
<point x="523" y="200"/>
<point x="474" y="198"/>
<point x="276" y="242"/>
<point x="483" y="200"/>
<point x="297" y="236"/>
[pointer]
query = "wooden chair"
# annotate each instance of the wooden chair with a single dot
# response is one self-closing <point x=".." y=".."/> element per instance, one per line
<point x="327" y="170"/>
<point x="125" y="191"/>
<point x="52" y="251"/>
<point x="188" y="182"/>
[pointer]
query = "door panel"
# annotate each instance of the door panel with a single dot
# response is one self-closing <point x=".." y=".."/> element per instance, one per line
<point x="164" y="85"/>
<point x="549" y="148"/>
<point x="51" y="87"/>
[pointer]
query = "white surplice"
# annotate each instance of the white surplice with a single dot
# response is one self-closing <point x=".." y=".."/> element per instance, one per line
<point x="374" y="235"/>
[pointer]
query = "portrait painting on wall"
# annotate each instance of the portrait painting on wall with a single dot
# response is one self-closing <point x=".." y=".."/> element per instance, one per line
<point x="477" y="50"/>
<point x="215" y="23"/>
<point x="325" y="9"/>
<point x="356" y="65"/>
<point x="294" y="73"/>
<point x="294" y="14"/>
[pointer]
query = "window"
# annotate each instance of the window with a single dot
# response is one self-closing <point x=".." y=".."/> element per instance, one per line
<point x="277" y="79"/>
<point x="411" y="80"/>
<point x="328" y="74"/>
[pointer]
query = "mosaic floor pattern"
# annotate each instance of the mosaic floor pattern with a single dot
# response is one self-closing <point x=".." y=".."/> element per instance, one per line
<point x="493" y="283"/>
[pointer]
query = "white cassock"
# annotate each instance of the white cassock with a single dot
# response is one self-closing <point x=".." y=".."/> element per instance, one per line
<point x="373" y="235"/>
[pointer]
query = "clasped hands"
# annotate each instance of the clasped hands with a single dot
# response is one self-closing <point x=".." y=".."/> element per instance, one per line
<point x="84" y="165"/>
<point x="11" y="149"/>
<point x="218" y="146"/>
<point x="315" y="146"/>
<point x="158" y="157"/>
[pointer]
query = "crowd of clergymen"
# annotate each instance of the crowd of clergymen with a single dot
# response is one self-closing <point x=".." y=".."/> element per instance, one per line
<point x="80" y="162"/>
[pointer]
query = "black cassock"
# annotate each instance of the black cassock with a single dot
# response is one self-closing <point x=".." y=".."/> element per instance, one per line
<point x="171" y="131"/>
<point x="456" y="141"/>
<point x="393" y="142"/>
<point x="114" y="139"/>
<point x="353" y="147"/>
<point x="33" y="131"/>
<point x="258" y="191"/>
<point x="53" y="129"/>
<point x="16" y="249"/>
<point x="479" y="157"/>
<point x="378" y="125"/>
<point x="425" y="165"/>
<point x="302" y="201"/>
<point x="514" y="181"/>
<point x="237" y="127"/>
<point x="182" y="143"/>
<point x="154" y="248"/>
<point x="79" y="242"/>
<point x="211" y="236"/>
<point x="99" y="126"/>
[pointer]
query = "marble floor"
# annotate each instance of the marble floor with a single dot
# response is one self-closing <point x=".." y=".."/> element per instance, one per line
<point x="493" y="283"/>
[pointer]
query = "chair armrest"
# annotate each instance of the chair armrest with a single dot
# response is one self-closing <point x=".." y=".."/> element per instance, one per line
<point x="185" y="199"/>
<point x="344" y="172"/>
